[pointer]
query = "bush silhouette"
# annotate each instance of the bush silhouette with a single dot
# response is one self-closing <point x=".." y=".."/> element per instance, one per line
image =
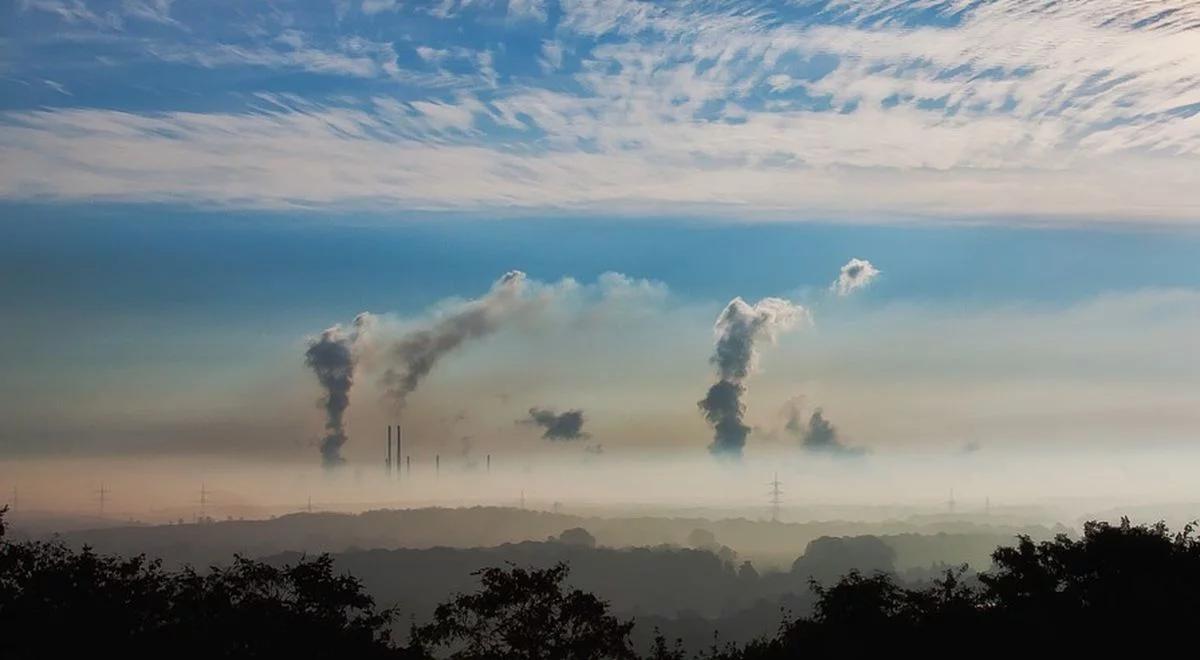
<point x="528" y="614"/>
<point x="57" y="602"/>
<point x="1064" y="595"/>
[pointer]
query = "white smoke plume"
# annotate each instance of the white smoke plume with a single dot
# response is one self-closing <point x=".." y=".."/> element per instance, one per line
<point x="411" y="357"/>
<point x="738" y="329"/>
<point x="405" y="354"/>
<point x="855" y="275"/>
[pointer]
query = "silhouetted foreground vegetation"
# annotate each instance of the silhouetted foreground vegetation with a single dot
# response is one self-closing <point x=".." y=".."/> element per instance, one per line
<point x="60" y="603"/>
<point x="1116" y="582"/>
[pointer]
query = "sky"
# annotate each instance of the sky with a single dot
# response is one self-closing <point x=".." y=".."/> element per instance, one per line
<point x="877" y="109"/>
<point x="191" y="192"/>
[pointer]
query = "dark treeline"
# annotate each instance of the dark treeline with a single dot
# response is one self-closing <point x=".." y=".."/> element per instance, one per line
<point x="689" y="593"/>
<point x="1117" y="584"/>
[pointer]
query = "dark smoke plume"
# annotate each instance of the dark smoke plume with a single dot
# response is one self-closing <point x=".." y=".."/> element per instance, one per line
<point x="333" y="355"/>
<point x="738" y="328"/>
<point x="817" y="434"/>
<point x="723" y="409"/>
<point x="331" y="358"/>
<point x="415" y="354"/>
<point x="558" y="426"/>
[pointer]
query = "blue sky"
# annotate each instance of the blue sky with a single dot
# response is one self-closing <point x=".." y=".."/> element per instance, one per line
<point x="877" y="109"/>
<point x="188" y="190"/>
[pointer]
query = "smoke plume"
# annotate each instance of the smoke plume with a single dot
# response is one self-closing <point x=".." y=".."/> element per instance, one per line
<point x="855" y="275"/>
<point x="415" y="354"/>
<point x="738" y="329"/>
<point x="331" y="358"/>
<point x="818" y="434"/>
<point x="558" y="426"/>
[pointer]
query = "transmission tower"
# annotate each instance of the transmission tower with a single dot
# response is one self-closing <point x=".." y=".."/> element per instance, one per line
<point x="776" y="497"/>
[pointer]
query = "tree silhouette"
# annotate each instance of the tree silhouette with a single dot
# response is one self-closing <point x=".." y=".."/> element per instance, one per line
<point x="1115" y="585"/>
<point x="58" y="602"/>
<point x="1060" y="596"/>
<point x="528" y="614"/>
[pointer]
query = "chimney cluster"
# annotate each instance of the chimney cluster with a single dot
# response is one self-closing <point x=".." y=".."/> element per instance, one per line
<point x="392" y="465"/>
<point x="392" y="462"/>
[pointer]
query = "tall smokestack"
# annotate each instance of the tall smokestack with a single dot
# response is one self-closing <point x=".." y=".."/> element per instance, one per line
<point x="398" y="453"/>
<point x="408" y="466"/>
<point x="437" y="465"/>
<point x="489" y="463"/>
<point x="388" y="463"/>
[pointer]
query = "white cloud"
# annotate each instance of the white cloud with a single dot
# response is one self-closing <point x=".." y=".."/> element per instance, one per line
<point x="352" y="58"/>
<point x="430" y="54"/>
<point x="856" y="274"/>
<point x="527" y="9"/>
<point x="1005" y="108"/>
<point x="71" y="11"/>
<point x="370" y="7"/>
<point x="155" y="11"/>
<point x="58" y="87"/>
<point x="552" y="55"/>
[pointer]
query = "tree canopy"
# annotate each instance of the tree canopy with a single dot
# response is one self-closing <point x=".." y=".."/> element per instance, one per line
<point x="1124" y="582"/>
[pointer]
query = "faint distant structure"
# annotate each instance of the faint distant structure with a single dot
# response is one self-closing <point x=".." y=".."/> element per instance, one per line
<point x="398" y="447"/>
<point x="387" y="463"/>
<point x="776" y="497"/>
<point x="489" y="463"/>
<point x="102" y="495"/>
<point x="522" y="499"/>
<point x="16" y="499"/>
<point x="407" y="466"/>
<point x="310" y="504"/>
<point x="437" y="465"/>
<point x="987" y="506"/>
<point x="950" y="502"/>
<point x="203" y="501"/>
